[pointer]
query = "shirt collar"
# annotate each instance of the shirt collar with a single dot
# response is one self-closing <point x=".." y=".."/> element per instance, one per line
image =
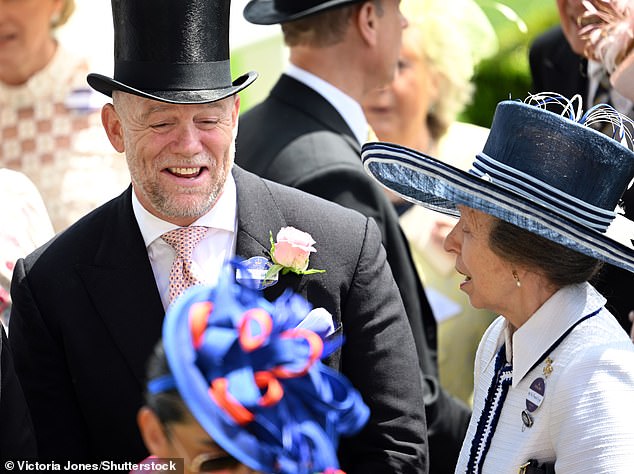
<point x="595" y="70"/>
<point x="348" y="108"/>
<point x="596" y="74"/>
<point x="221" y="216"/>
<point x="561" y="311"/>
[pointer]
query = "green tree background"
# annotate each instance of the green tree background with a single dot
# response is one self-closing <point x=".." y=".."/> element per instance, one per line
<point x="507" y="74"/>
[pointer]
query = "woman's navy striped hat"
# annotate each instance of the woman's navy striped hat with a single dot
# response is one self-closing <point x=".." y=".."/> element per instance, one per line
<point x="549" y="173"/>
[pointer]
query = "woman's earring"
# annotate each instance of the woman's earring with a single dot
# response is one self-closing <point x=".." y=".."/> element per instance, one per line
<point x="518" y="283"/>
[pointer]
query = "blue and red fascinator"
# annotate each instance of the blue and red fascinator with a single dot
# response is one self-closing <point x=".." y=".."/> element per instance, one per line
<point x="253" y="379"/>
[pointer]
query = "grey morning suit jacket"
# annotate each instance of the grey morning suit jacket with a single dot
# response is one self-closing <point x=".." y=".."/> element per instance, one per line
<point x="87" y="314"/>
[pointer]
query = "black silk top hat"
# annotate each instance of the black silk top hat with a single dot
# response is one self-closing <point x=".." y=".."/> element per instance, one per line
<point x="172" y="51"/>
<point x="269" y="12"/>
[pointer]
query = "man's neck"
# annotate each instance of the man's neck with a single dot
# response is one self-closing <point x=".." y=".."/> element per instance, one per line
<point x="332" y="67"/>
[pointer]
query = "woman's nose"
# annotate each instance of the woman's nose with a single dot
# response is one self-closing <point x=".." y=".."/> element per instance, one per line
<point x="452" y="243"/>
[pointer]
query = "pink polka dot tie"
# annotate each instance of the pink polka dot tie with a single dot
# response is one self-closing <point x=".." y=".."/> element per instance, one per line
<point x="184" y="240"/>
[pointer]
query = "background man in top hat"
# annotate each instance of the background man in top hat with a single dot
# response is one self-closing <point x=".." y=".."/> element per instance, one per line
<point x="308" y="133"/>
<point x="88" y="305"/>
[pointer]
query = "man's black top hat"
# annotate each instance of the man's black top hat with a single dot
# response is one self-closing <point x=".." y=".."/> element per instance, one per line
<point x="269" y="12"/>
<point x="172" y="50"/>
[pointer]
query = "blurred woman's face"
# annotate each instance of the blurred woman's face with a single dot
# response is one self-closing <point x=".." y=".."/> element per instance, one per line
<point x="488" y="281"/>
<point x="188" y="440"/>
<point x="398" y="111"/>
<point x="26" y="41"/>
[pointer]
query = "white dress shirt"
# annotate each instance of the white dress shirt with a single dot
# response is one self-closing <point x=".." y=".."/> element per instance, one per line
<point x="618" y="101"/>
<point x="348" y="108"/>
<point x="210" y="254"/>
<point x="586" y="419"/>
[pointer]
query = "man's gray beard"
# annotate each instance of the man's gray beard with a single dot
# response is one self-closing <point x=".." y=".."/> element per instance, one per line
<point x="167" y="207"/>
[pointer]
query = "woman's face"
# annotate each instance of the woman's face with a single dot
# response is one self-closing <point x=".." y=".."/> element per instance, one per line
<point x="188" y="440"/>
<point x="398" y="111"/>
<point x="489" y="281"/>
<point x="25" y="36"/>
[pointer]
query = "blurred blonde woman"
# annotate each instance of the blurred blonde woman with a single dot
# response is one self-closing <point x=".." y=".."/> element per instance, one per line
<point x="441" y="48"/>
<point x="50" y="124"/>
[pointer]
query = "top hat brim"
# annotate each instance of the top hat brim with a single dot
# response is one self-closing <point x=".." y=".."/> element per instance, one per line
<point x="264" y="12"/>
<point x="107" y="85"/>
<point x="436" y="185"/>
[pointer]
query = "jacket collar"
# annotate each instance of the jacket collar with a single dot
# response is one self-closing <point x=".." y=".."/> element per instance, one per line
<point x="559" y="313"/>
<point x="308" y="101"/>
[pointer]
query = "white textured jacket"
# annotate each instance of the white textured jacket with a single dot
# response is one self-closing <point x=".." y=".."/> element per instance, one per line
<point x="585" y="419"/>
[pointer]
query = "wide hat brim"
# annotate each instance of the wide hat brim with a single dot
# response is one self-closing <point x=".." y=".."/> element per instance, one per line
<point x="107" y="85"/>
<point x="436" y="185"/>
<point x="265" y="12"/>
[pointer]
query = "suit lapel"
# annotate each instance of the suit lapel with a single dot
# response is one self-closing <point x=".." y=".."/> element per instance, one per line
<point x="122" y="287"/>
<point x="258" y="215"/>
<point x="310" y="102"/>
<point x="121" y="282"/>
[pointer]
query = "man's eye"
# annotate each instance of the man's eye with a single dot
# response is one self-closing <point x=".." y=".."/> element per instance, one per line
<point x="160" y="125"/>
<point x="209" y="121"/>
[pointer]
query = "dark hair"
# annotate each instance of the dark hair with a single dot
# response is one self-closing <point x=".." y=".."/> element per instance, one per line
<point x="168" y="405"/>
<point x="560" y="265"/>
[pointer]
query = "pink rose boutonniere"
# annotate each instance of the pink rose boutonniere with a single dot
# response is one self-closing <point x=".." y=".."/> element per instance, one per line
<point x="290" y="253"/>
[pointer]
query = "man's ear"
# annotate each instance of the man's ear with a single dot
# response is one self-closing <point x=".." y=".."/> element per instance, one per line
<point x="112" y="124"/>
<point x="366" y="18"/>
<point x="153" y="433"/>
<point x="236" y="110"/>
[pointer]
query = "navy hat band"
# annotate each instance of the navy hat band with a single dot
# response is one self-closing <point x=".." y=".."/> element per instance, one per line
<point x="173" y="76"/>
<point x="532" y="188"/>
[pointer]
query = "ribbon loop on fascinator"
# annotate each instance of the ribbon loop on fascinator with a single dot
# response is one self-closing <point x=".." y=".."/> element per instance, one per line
<point x="254" y="380"/>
